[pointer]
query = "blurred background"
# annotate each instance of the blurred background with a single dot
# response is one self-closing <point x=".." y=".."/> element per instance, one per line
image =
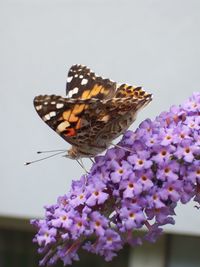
<point x="152" y="43"/>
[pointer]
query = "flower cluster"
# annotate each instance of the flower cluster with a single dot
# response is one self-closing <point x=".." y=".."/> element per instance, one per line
<point x="136" y="184"/>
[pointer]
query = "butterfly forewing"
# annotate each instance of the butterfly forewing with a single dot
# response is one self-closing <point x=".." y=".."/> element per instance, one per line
<point x="84" y="121"/>
<point x="82" y="83"/>
<point x="70" y="118"/>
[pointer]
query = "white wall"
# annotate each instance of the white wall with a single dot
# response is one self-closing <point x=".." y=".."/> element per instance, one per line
<point x="148" y="42"/>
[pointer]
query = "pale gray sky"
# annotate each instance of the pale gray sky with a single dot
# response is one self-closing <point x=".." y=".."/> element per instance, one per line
<point x="151" y="43"/>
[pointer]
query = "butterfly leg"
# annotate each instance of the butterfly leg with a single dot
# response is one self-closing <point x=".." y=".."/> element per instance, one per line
<point x="124" y="148"/>
<point x="92" y="160"/>
<point x="82" y="165"/>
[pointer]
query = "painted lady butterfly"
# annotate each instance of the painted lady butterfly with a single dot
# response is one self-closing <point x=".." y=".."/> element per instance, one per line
<point x="95" y="111"/>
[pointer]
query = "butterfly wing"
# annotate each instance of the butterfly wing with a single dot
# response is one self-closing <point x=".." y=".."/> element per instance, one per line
<point x="82" y="83"/>
<point x="72" y="119"/>
<point x="119" y="113"/>
<point x="85" y="122"/>
<point x="125" y="90"/>
<point x="95" y="111"/>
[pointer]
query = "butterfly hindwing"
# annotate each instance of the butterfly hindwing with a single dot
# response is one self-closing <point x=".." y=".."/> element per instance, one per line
<point x="125" y="90"/>
<point x="82" y="83"/>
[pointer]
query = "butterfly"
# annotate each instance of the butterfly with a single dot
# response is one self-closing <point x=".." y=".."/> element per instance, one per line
<point x="94" y="112"/>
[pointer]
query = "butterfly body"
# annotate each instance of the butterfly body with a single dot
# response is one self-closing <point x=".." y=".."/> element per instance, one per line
<point x="94" y="113"/>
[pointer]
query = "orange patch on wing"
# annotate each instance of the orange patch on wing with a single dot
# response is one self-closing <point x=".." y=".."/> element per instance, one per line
<point x="79" y="124"/>
<point x="73" y="118"/>
<point x="104" y="90"/>
<point x="78" y="108"/>
<point x="95" y="90"/>
<point x="85" y="94"/>
<point x="66" y="115"/>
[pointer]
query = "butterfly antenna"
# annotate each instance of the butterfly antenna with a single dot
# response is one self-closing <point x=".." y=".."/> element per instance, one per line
<point x="34" y="161"/>
<point x="51" y="151"/>
<point x="124" y="148"/>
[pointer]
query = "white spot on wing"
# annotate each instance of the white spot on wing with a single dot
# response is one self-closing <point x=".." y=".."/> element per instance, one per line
<point x="84" y="81"/>
<point x="59" y="105"/>
<point x="72" y="92"/>
<point x="62" y="126"/>
<point x="47" y="117"/>
<point x="52" y="114"/>
<point x="69" y="79"/>
<point x="75" y="90"/>
<point x="38" y="107"/>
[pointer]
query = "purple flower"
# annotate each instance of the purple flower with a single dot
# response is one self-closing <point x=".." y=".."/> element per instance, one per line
<point x="62" y="218"/>
<point x="194" y="173"/>
<point x="171" y="191"/>
<point x="167" y="136"/>
<point x="120" y="171"/>
<point x="145" y="179"/>
<point x="45" y="235"/>
<point x="186" y="151"/>
<point x="96" y="193"/>
<point x="154" y="199"/>
<point x="163" y="153"/>
<point x="130" y="187"/>
<point x="140" y="160"/>
<point x="98" y="223"/>
<point x="68" y="254"/>
<point x="168" y="170"/>
<point x="106" y="245"/>
<point x="136" y="184"/>
<point x="132" y="218"/>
